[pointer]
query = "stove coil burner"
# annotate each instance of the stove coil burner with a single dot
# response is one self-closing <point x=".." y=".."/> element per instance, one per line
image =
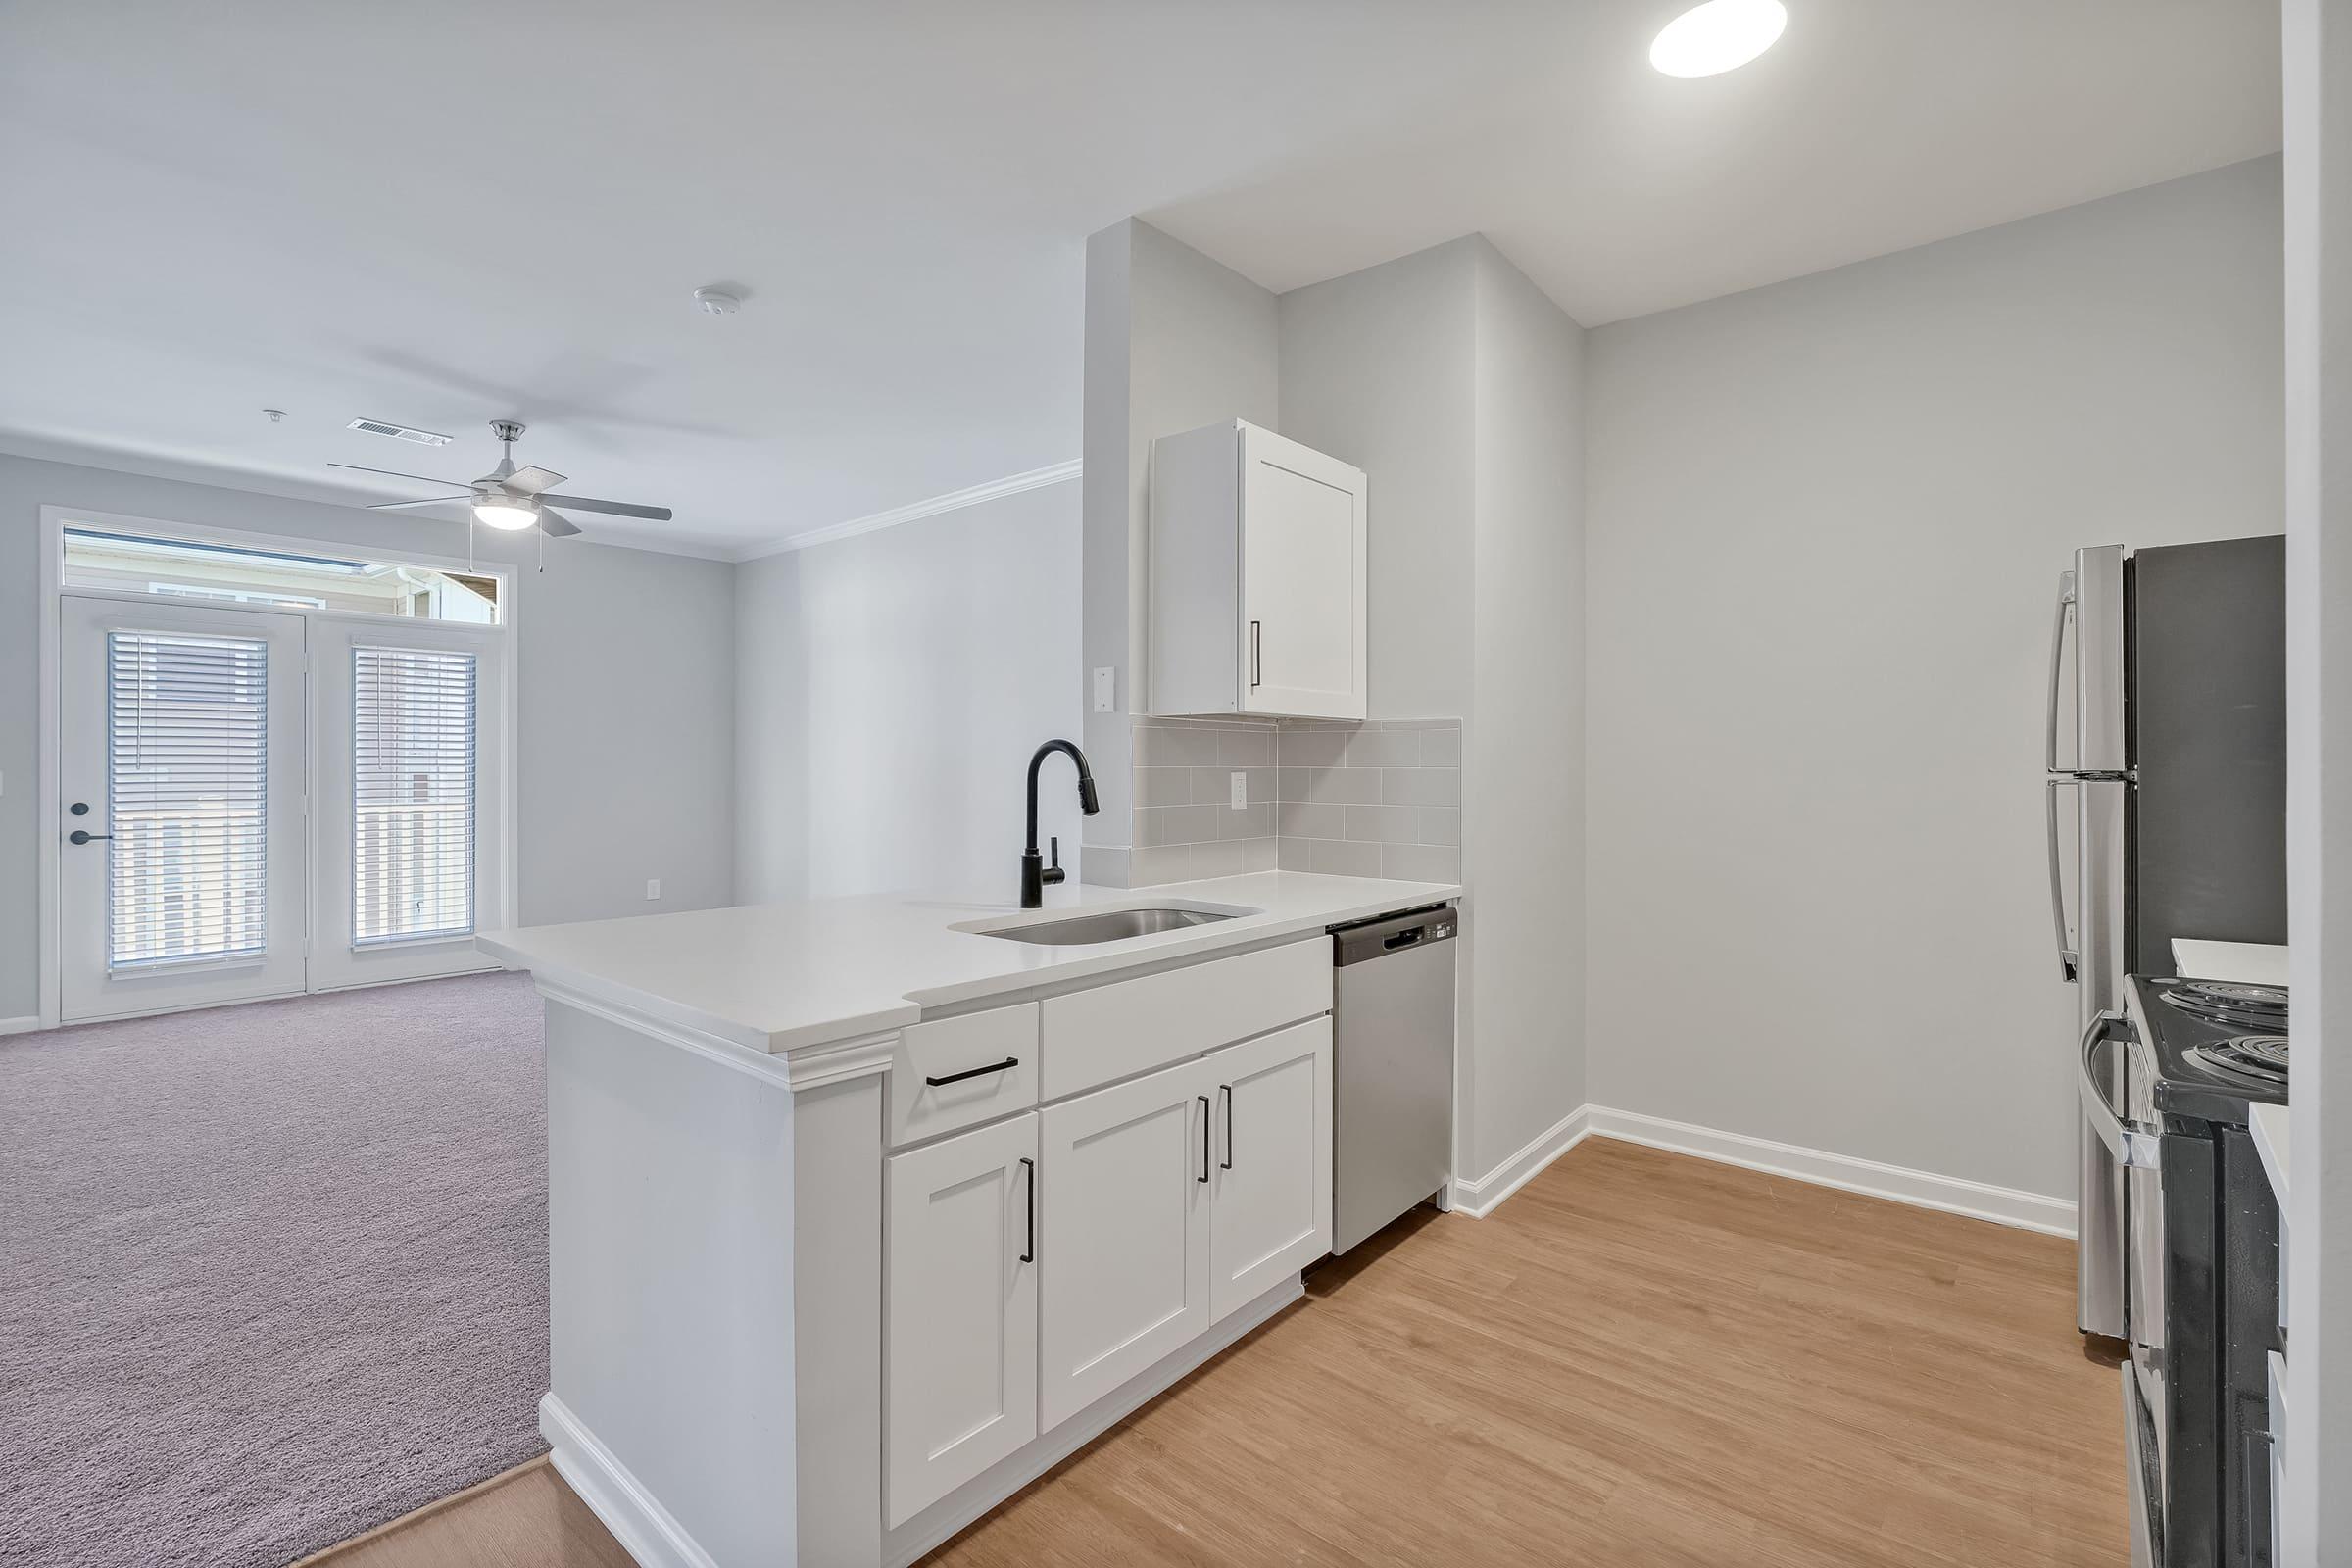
<point x="2260" y="1058"/>
<point x="2233" y="1004"/>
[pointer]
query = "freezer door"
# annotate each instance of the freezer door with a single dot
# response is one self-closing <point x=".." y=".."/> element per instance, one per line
<point x="2208" y="746"/>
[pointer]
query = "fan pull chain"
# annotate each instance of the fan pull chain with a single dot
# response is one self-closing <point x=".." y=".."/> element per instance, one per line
<point x="541" y="536"/>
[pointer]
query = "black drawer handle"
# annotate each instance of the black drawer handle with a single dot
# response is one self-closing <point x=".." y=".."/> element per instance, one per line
<point x="1030" y="1256"/>
<point x="1203" y="1177"/>
<point x="1226" y="1092"/>
<point x="974" y="1072"/>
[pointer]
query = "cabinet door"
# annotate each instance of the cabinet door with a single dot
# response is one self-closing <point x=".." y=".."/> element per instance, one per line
<point x="1302" y="580"/>
<point x="1271" y="1193"/>
<point x="1123" y="1249"/>
<point x="959" y="1365"/>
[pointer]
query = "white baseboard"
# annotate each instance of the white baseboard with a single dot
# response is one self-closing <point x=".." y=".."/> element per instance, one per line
<point x="2003" y="1205"/>
<point x="18" y="1026"/>
<point x="1479" y="1198"/>
<point x="643" y="1527"/>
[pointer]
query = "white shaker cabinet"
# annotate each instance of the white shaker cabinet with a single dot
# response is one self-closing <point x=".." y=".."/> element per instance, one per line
<point x="1124" y="1234"/>
<point x="961" y="1348"/>
<point x="1270" y="1187"/>
<point x="1257" y="576"/>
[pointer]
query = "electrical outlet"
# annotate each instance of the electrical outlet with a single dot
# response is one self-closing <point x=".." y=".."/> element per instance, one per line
<point x="1105" y="689"/>
<point x="1241" y="792"/>
<point x="652" y="887"/>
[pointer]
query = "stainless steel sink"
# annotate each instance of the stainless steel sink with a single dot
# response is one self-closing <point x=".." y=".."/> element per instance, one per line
<point x="1111" y="925"/>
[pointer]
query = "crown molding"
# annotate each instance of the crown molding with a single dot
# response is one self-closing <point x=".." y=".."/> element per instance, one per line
<point x="1013" y="484"/>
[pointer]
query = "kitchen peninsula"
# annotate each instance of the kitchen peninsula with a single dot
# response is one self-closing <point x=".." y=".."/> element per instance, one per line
<point x="864" y="1212"/>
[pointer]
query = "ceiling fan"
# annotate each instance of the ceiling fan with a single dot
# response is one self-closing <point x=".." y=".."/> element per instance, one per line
<point x="512" y="498"/>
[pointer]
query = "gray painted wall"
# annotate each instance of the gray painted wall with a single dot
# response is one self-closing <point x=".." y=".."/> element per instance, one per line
<point x="1523" y="777"/>
<point x="1826" y="520"/>
<point x="626" y="700"/>
<point x="1173" y="341"/>
<point x="893" y="688"/>
<point x="1379" y="369"/>
<point x="1454" y="382"/>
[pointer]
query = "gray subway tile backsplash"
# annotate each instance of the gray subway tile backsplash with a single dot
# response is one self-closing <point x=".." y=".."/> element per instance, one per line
<point x="1420" y="863"/>
<point x="1378" y="799"/>
<point x="1384" y="748"/>
<point x="1312" y="748"/>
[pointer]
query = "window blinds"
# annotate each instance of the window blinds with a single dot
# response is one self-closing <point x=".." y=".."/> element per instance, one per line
<point x="188" y="753"/>
<point x="413" y="795"/>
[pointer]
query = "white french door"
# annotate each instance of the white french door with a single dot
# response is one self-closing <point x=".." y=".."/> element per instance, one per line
<point x="260" y="803"/>
<point x="408" y="782"/>
<point x="183" y="877"/>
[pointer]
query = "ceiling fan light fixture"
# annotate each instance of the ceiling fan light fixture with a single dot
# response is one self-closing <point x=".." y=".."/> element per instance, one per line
<point x="1720" y="35"/>
<point x="501" y="511"/>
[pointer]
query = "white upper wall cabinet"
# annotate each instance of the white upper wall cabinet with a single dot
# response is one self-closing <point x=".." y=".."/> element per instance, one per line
<point x="1256" y="576"/>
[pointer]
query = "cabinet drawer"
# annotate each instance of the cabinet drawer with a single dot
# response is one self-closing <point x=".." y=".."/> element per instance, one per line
<point x="978" y="1044"/>
<point x="1114" y="1031"/>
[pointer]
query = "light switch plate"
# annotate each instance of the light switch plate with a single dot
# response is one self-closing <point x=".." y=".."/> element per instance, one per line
<point x="1241" y="792"/>
<point x="1105" y="689"/>
<point x="652" y="887"/>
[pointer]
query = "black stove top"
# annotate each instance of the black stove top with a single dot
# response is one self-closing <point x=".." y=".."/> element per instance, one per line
<point x="2217" y="1045"/>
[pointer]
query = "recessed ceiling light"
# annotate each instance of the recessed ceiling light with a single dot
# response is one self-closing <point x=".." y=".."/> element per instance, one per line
<point x="1710" y="39"/>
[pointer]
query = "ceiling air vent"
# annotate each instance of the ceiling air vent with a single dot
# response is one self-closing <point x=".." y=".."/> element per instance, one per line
<point x="400" y="432"/>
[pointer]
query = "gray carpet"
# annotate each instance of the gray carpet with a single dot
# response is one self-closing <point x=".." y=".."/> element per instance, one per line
<point x="269" y="1274"/>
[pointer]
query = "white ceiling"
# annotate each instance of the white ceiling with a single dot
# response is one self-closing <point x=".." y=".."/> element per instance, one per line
<point x="445" y="210"/>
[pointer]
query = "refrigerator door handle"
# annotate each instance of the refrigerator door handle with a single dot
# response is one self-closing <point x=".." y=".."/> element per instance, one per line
<point x="2069" y="961"/>
<point x="2134" y="1148"/>
<point x="2065" y="604"/>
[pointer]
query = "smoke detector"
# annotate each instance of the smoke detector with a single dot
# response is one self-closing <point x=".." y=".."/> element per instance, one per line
<point x="718" y="301"/>
<point x="399" y="432"/>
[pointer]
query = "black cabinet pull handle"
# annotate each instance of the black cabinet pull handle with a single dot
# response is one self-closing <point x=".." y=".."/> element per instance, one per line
<point x="975" y="1072"/>
<point x="1226" y="1090"/>
<point x="1030" y="1256"/>
<point x="1203" y="1176"/>
<point x="1256" y="659"/>
<point x="82" y="836"/>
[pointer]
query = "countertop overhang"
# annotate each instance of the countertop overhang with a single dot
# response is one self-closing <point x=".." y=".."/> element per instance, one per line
<point x="783" y="977"/>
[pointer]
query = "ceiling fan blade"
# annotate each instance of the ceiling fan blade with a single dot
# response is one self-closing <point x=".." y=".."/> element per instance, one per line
<point x="429" y="500"/>
<point x="618" y="509"/>
<point x="446" y="484"/>
<point x="556" y="525"/>
<point x="532" y="479"/>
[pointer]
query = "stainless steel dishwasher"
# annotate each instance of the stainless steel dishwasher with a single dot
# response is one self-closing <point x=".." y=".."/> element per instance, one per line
<point x="1392" y="1068"/>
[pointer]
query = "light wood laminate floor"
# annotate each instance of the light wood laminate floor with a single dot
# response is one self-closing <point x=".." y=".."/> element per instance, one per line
<point x="1642" y="1358"/>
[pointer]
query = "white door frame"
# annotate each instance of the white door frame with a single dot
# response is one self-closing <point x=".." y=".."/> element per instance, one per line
<point x="51" y="560"/>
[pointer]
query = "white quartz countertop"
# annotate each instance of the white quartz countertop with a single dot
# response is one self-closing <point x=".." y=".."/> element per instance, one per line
<point x="777" y="977"/>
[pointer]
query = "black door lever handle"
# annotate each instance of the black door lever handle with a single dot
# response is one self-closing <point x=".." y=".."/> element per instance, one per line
<point x="81" y="836"/>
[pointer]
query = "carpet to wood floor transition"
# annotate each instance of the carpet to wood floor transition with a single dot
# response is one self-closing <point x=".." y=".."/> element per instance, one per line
<point x="269" y="1274"/>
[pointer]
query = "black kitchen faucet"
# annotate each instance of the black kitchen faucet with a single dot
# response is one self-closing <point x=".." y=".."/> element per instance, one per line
<point x="1035" y="873"/>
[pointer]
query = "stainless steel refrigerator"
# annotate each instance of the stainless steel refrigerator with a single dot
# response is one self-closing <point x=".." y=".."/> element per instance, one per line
<point x="2168" y="753"/>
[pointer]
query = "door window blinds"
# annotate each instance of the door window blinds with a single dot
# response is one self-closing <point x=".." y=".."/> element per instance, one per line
<point x="413" y="795"/>
<point x="187" y="755"/>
